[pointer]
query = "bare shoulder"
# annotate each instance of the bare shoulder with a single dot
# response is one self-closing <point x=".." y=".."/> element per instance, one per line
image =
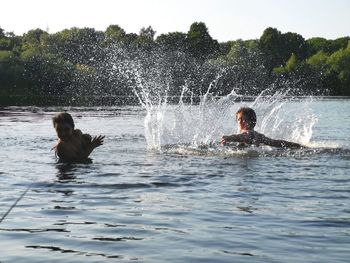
<point x="60" y="145"/>
<point x="77" y="132"/>
<point x="259" y="136"/>
<point x="87" y="137"/>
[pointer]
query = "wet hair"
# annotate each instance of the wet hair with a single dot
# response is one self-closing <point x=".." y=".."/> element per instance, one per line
<point x="249" y="116"/>
<point x="63" y="117"/>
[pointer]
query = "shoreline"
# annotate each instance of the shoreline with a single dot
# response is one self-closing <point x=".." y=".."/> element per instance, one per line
<point x="18" y="100"/>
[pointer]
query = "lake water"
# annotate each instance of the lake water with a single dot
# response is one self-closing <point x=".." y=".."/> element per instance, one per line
<point x="161" y="189"/>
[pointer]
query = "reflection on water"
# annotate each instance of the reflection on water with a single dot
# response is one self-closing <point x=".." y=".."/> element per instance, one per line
<point x="65" y="172"/>
<point x="179" y="203"/>
<point x="76" y="252"/>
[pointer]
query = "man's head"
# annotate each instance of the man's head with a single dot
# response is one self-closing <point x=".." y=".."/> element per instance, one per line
<point x="64" y="125"/>
<point x="246" y="118"/>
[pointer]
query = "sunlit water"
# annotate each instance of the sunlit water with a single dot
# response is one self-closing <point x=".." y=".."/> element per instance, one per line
<point x="161" y="188"/>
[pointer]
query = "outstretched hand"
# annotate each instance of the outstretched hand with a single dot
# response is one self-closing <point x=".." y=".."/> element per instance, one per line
<point x="97" y="141"/>
<point x="223" y="140"/>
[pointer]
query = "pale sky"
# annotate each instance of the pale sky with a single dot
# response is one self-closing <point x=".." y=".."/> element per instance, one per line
<point x="225" y="19"/>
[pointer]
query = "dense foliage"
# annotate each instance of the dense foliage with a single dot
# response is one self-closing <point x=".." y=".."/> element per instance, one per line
<point x="78" y="64"/>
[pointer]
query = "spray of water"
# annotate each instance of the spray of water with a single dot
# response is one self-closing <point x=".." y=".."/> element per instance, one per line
<point x="205" y="123"/>
<point x="199" y="121"/>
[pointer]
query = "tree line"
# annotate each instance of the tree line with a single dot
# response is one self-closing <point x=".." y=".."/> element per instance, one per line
<point x="74" y="64"/>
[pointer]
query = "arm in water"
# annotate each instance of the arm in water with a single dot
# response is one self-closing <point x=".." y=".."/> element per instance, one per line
<point x="257" y="139"/>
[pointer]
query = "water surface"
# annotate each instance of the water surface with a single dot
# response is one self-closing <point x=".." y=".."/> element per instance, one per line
<point x="141" y="202"/>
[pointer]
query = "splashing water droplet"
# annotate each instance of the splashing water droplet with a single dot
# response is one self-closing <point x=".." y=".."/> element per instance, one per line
<point x="189" y="118"/>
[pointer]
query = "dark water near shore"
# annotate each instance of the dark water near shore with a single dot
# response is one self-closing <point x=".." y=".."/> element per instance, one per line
<point x="188" y="204"/>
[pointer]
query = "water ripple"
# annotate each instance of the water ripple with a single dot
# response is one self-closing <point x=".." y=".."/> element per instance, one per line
<point x="77" y="252"/>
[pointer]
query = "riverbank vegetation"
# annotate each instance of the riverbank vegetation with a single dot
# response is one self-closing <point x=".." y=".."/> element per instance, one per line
<point x="79" y="63"/>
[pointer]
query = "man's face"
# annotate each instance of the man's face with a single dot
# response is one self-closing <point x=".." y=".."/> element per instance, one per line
<point x="64" y="131"/>
<point x="242" y="123"/>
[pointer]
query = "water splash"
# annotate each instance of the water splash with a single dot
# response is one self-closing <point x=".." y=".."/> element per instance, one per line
<point x="205" y="123"/>
<point x="285" y="117"/>
<point x="199" y="120"/>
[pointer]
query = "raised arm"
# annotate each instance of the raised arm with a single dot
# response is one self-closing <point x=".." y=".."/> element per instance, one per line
<point x="91" y="145"/>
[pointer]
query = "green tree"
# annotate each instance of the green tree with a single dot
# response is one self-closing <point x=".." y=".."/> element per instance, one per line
<point x="115" y="33"/>
<point x="339" y="62"/>
<point x="173" y="41"/>
<point x="335" y="68"/>
<point x="48" y="74"/>
<point x="11" y="74"/>
<point x="5" y="44"/>
<point x="11" y="42"/>
<point x="146" y="36"/>
<point x="224" y="48"/>
<point x="239" y="50"/>
<point x="201" y="44"/>
<point x="2" y="33"/>
<point x="270" y="44"/>
<point x="243" y="68"/>
<point x="131" y="39"/>
<point x="291" y="65"/>
<point x="339" y="43"/>
<point x="278" y="47"/>
<point x="318" y="61"/>
<point x="79" y="46"/>
<point x="294" y="44"/>
<point x="317" y="44"/>
<point x="36" y="38"/>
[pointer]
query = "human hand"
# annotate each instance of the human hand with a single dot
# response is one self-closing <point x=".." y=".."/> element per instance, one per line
<point x="97" y="141"/>
<point x="223" y="140"/>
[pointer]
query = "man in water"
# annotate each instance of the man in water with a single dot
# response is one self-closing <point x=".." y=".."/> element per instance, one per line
<point x="73" y="145"/>
<point x="246" y="119"/>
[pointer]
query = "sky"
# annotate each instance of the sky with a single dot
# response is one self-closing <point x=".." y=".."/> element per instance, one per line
<point x="225" y="19"/>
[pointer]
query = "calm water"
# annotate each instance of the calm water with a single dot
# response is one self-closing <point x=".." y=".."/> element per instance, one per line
<point x="141" y="202"/>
